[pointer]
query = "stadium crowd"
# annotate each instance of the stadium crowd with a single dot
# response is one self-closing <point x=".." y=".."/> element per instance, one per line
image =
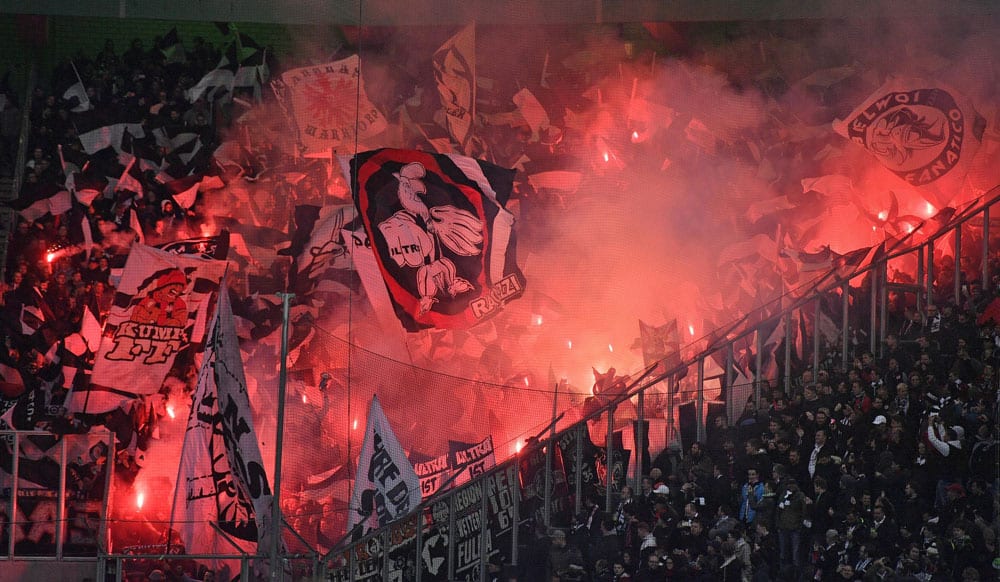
<point x="61" y="260"/>
<point x="887" y="471"/>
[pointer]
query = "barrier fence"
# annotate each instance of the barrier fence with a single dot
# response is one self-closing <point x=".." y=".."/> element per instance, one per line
<point x="54" y="492"/>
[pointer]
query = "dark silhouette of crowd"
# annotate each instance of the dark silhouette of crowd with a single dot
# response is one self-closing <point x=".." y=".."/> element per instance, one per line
<point x="884" y="471"/>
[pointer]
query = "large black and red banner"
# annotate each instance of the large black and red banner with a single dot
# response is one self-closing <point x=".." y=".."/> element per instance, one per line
<point x="443" y="240"/>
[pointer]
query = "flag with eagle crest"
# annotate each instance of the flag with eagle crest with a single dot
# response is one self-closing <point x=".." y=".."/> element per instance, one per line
<point x="328" y="106"/>
<point x="441" y="235"/>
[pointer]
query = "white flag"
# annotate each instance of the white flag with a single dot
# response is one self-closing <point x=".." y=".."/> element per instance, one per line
<point x="924" y="132"/>
<point x="78" y="91"/>
<point x="135" y="225"/>
<point x="386" y="488"/>
<point x="161" y="293"/>
<point x="328" y="106"/>
<point x="221" y="477"/>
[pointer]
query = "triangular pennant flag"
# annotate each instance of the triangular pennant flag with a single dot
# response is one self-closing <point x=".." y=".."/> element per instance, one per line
<point x="386" y="487"/>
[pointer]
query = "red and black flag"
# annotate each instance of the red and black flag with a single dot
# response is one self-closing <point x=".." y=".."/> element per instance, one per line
<point x="442" y="238"/>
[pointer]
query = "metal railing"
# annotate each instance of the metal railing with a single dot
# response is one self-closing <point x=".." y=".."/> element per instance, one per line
<point x="54" y="490"/>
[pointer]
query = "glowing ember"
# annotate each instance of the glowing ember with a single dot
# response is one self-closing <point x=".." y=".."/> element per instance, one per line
<point x="607" y="157"/>
<point x="50" y="257"/>
<point x="929" y="209"/>
<point x="354" y="426"/>
<point x="883" y="215"/>
<point x="635" y="136"/>
<point x="304" y="399"/>
<point x="569" y="344"/>
<point x="538" y="320"/>
<point x="526" y="384"/>
<point x="140" y="500"/>
<point x="691" y="328"/>
<point x="518" y="446"/>
<point x="611" y="348"/>
<point x="170" y="411"/>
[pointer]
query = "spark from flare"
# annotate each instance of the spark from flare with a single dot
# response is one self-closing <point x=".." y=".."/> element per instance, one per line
<point x="170" y="411"/>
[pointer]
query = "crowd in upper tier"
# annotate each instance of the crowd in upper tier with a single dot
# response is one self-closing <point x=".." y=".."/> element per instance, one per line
<point x="887" y="471"/>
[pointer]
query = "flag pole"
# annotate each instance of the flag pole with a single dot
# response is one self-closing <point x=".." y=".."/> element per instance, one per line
<point x="86" y="98"/>
<point x="276" y="519"/>
<point x="549" y="452"/>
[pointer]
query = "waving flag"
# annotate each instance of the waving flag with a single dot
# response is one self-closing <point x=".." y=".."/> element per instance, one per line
<point x="207" y="247"/>
<point x="153" y="317"/>
<point x="221" y="478"/>
<point x="98" y="138"/>
<point x="660" y="343"/>
<point x="171" y="47"/>
<point x="86" y="186"/>
<point x="441" y="236"/>
<point x="386" y="487"/>
<point x="455" y="72"/>
<point x="215" y="83"/>
<point x="924" y="132"/>
<point x="46" y="198"/>
<point x="78" y="92"/>
<point x="328" y="107"/>
<point x="318" y="243"/>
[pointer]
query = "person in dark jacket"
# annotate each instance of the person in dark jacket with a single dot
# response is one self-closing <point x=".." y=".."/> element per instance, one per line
<point x="790" y="515"/>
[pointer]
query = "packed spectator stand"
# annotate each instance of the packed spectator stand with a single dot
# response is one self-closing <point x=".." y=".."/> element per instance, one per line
<point x="881" y="469"/>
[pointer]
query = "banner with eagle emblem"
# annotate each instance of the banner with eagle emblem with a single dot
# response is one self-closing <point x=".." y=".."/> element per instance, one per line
<point x="442" y="237"/>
